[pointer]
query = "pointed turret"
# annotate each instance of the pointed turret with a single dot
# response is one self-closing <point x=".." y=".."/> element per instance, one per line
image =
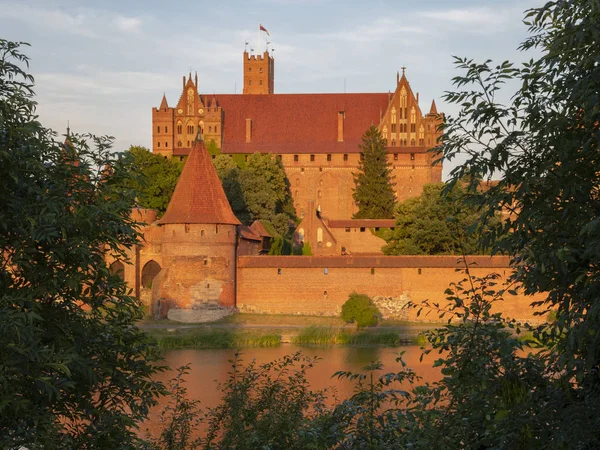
<point x="163" y="103"/>
<point x="199" y="196"/>
<point x="433" y="109"/>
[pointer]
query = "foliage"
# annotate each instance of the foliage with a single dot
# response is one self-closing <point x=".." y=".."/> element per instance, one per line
<point x="374" y="192"/>
<point x="75" y="371"/>
<point x="360" y="309"/>
<point x="178" y="419"/>
<point x="215" y="338"/>
<point x="439" y="222"/>
<point x="152" y="176"/>
<point x="259" y="190"/>
<point x="545" y="141"/>
<point x="267" y="406"/>
<point x="306" y="249"/>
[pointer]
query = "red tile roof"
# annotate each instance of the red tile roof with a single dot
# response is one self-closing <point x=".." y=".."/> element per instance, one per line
<point x="298" y="123"/>
<point x="248" y="233"/>
<point x="360" y="223"/>
<point x="260" y="229"/>
<point x="199" y="196"/>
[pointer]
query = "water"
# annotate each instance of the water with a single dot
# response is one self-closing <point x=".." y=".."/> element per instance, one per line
<point x="210" y="367"/>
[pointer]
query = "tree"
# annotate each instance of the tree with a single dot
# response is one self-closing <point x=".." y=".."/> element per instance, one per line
<point x="545" y="141"/>
<point x="258" y="190"/>
<point x="360" y="309"/>
<point x="437" y="222"/>
<point x="374" y="192"/>
<point x="152" y="176"/>
<point x="75" y="371"/>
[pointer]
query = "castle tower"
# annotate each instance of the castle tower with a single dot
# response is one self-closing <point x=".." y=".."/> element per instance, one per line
<point x="259" y="74"/>
<point x="199" y="237"/>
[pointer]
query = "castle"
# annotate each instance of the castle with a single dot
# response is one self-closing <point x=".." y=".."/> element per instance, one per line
<point x="198" y="262"/>
<point x="316" y="138"/>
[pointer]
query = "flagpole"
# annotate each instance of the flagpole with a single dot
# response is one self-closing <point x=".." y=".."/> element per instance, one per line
<point x="259" y="38"/>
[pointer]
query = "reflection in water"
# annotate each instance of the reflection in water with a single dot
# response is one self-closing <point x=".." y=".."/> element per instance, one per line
<point x="210" y="367"/>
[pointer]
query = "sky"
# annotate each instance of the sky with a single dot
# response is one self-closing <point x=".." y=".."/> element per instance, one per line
<point x="102" y="65"/>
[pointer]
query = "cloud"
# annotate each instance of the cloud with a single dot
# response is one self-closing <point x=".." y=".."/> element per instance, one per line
<point x="54" y="20"/>
<point x="128" y="24"/>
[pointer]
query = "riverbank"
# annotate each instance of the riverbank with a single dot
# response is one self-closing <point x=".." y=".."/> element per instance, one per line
<point x="257" y="330"/>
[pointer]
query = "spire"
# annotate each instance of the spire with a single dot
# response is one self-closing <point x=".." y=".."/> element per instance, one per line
<point x="433" y="109"/>
<point x="163" y="103"/>
<point x="196" y="80"/>
<point x="199" y="196"/>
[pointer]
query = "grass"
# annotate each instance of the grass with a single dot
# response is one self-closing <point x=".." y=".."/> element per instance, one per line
<point x="319" y="335"/>
<point x="207" y="338"/>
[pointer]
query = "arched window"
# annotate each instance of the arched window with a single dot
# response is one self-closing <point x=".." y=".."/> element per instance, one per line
<point x="179" y="127"/>
<point x="413" y="115"/>
<point x="166" y="129"/>
<point x="319" y="235"/>
<point x="150" y="270"/>
<point x="158" y="129"/>
<point x="178" y="143"/>
<point x="393" y="142"/>
<point x="412" y="142"/>
<point x="117" y="268"/>
<point x="166" y="144"/>
<point x="393" y="115"/>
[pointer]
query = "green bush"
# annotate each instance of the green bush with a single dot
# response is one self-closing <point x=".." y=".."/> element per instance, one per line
<point x="360" y="309"/>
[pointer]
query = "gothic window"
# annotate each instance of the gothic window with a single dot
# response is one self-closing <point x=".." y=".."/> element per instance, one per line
<point x="260" y="82"/>
<point x="403" y="98"/>
<point x="179" y="128"/>
<point x="190" y="129"/>
<point x="210" y="128"/>
<point x="404" y="142"/>
<point x="166" y="129"/>
<point x="412" y="127"/>
<point x="412" y="142"/>
<point x="393" y="142"/>
<point x="393" y="118"/>
<point x="178" y="143"/>
<point x="421" y="142"/>
<point x="190" y="102"/>
<point x="216" y="128"/>
<point x="188" y="143"/>
<point x="413" y="115"/>
<point x="393" y="127"/>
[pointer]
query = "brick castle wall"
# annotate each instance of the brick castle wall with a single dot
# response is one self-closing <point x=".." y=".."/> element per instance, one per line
<point x="321" y="285"/>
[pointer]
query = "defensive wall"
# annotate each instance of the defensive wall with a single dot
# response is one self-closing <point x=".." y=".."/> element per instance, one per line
<point x="321" y="284"/>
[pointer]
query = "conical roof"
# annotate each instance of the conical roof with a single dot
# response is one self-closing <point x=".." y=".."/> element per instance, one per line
<point x="163" y="103"/>
<point x="433" y="109"/>
<point x="199" y="196"/>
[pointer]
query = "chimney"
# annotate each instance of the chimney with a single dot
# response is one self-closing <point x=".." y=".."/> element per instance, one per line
<point x="340" y="135"/>
<point x="248" y="131"/>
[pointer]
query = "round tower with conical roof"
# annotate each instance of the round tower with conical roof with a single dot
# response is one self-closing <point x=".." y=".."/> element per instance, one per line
<point x="199" y="238"/>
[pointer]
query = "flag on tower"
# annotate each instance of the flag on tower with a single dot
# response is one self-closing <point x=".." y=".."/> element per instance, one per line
<point x="263" y="29"/>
